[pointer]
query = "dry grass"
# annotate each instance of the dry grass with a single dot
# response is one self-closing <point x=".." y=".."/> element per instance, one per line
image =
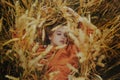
<point x="97" y="44"/>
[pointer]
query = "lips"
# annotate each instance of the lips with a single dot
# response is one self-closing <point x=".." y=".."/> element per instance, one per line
<point x="62" y="41"/>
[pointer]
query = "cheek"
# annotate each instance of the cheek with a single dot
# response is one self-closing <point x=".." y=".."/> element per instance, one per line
<point x="55" y="39"/>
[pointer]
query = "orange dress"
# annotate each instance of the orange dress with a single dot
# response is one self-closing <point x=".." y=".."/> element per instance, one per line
<point x="57" y="60"/>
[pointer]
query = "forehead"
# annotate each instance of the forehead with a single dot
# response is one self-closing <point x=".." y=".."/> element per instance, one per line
<point x="61" y="29"/>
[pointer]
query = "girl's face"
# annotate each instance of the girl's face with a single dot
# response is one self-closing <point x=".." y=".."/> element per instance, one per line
<point x="58" y="37"/>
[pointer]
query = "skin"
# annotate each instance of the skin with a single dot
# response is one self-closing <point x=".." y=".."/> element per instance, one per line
<point x="58" y="37"/>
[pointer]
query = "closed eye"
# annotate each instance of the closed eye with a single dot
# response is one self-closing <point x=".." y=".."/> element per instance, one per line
<point x="59" y="33"/>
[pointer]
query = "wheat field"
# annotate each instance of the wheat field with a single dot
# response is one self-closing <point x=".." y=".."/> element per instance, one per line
<point x="23" y="22"/>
